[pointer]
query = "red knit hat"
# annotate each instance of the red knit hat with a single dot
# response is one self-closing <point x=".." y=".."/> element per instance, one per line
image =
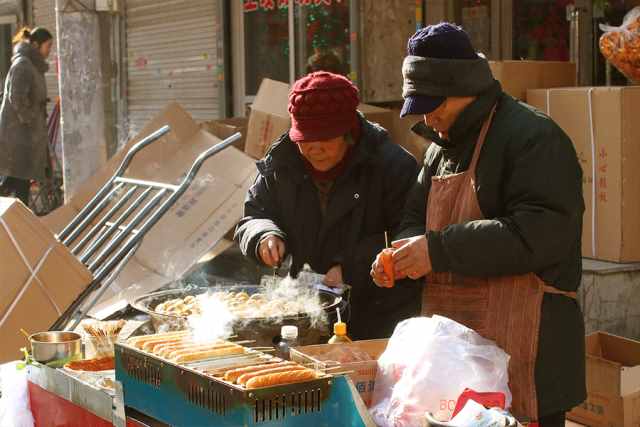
<point x="322" y="106"/>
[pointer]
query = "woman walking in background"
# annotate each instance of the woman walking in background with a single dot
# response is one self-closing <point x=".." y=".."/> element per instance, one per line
<point x="24" y="140"/>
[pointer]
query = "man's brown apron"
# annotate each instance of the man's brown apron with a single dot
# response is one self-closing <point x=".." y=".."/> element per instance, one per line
<point x="504" y="309"/>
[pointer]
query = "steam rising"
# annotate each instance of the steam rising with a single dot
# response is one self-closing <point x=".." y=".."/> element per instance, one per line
<point x="214" y="322"/>
<point x="216" y="311"/>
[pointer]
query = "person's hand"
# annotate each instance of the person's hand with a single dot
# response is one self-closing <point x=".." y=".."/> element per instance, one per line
<point x="333" y="278"/>
<point x="271" y="250"/>
<point x="411" y="257"/>
<point x="378" y="275"/>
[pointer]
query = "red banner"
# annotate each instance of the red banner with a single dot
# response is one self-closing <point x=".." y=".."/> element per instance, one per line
<point x="268" y="5"/>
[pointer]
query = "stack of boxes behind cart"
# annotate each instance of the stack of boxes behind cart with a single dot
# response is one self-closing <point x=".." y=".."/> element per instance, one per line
<point x="603" y="125"/>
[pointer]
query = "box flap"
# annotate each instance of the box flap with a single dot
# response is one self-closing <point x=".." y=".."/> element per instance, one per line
<point x="630" y="380"/>
<point x="617" y="349"/>
<point x="272" y="98"/>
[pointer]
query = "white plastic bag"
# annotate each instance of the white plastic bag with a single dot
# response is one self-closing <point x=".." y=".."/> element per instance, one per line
<point x="621" y="45"/>
<point x="474" y="414"/>
<point x="428" y="363"/>
<point x="14" y="404"/>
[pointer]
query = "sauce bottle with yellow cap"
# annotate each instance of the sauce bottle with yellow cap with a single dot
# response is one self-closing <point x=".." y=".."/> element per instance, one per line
<point x="339" y="334"/>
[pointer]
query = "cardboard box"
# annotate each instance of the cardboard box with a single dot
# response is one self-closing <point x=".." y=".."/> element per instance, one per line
<point x="613" y="383"/>
<point x="224" y="128"/>
<point x="193" y="226"/>
<point x="402" y="134"/>
<point x="382" y="116"/>
<point x="364" y="373"/>
<point x="517" y="77"/>
<point x="612" y="225"/>
<point x="269" y="117"/>
<point x="40" y="277"/>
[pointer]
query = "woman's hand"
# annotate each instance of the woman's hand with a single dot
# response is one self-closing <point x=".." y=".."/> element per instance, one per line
<point x="333" y="278"/>
<point x="271" y="250"/>
<point x="377" y="273"/>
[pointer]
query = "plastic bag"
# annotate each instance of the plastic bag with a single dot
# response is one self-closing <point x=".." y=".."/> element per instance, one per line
<point x="428" y="363"/>
<point x="475" y="415"/>
<point x="14" y="404"/>
<point x="621" y="45"/>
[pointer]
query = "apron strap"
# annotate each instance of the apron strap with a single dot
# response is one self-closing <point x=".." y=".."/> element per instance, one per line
<point x="555" y="291"/>
<point x="481" y="139"/>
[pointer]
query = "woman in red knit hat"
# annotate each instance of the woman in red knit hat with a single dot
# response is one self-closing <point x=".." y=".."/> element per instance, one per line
<point x="326" y="192"/>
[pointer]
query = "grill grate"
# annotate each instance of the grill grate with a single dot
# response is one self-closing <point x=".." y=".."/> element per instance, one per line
<point x="145" y="370"/>
<point x="187" y="383"/>
<point x="291" y="404"/>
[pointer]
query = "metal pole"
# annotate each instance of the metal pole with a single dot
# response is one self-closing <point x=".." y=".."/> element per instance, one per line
<point x="292" y="43"/>
<point x="94" y="231"/>
<point x="354" y="48"/>
<point x="107" y="186"/>
<point x="102" y="237"/>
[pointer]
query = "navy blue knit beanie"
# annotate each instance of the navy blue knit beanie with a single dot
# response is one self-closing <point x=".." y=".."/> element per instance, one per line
<point x="443" y="41"/>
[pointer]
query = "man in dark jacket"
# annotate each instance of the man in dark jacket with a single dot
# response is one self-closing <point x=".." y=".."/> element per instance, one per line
<point x="326" y="193"/>
<point x="500" y="247"/>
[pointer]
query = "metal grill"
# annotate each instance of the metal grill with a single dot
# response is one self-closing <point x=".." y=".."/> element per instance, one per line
<point x="286" y="405"/>
<point x="109" y="229"/>
<point x="188" y="383"/>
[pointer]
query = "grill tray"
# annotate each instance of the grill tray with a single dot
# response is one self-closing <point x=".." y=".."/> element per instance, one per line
<point x="149" y="381"/>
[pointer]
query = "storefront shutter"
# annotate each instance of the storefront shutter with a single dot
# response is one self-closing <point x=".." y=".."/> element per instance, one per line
<point x="172" y="51"/>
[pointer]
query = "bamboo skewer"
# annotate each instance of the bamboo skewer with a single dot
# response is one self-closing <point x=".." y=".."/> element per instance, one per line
<point x="103" y="333"/>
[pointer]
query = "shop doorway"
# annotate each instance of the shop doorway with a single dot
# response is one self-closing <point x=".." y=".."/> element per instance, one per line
<point x="272" y="40"/>
<point x="540" y="30"/>
<point x="7" y="29"/>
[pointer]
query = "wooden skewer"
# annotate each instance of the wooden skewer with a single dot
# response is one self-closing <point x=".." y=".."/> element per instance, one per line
<point x="263" y="349"/>
<point x="332" y="368"/>
<point x="243" y="342"/>
<point x="386" y="239"/>
<point x="340" y="372"/>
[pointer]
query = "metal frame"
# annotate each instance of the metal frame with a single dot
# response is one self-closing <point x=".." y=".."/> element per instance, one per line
<point x="117" y="214"/>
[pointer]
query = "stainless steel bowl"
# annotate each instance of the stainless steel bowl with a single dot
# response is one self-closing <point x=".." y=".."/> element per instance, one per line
<point x="55" y="345"/>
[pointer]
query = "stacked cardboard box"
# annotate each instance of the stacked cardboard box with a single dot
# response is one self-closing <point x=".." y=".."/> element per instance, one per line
<point x="224" y="128"/>
<point x="613" y="383"/>
<point x="40" y="278"/>
<point x="517" y="77"/>
<point x="602" y="123"/>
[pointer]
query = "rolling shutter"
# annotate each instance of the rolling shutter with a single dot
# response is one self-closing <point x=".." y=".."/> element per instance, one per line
<point x="172" y="51"/>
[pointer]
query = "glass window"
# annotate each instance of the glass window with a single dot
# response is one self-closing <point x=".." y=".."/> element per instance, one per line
<point x="266" y="41"/>
<point x="541" y="30"/>
<point x="476" y="20"/>
<point x="322" y="40"/>
<point x="322" y="36"/>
